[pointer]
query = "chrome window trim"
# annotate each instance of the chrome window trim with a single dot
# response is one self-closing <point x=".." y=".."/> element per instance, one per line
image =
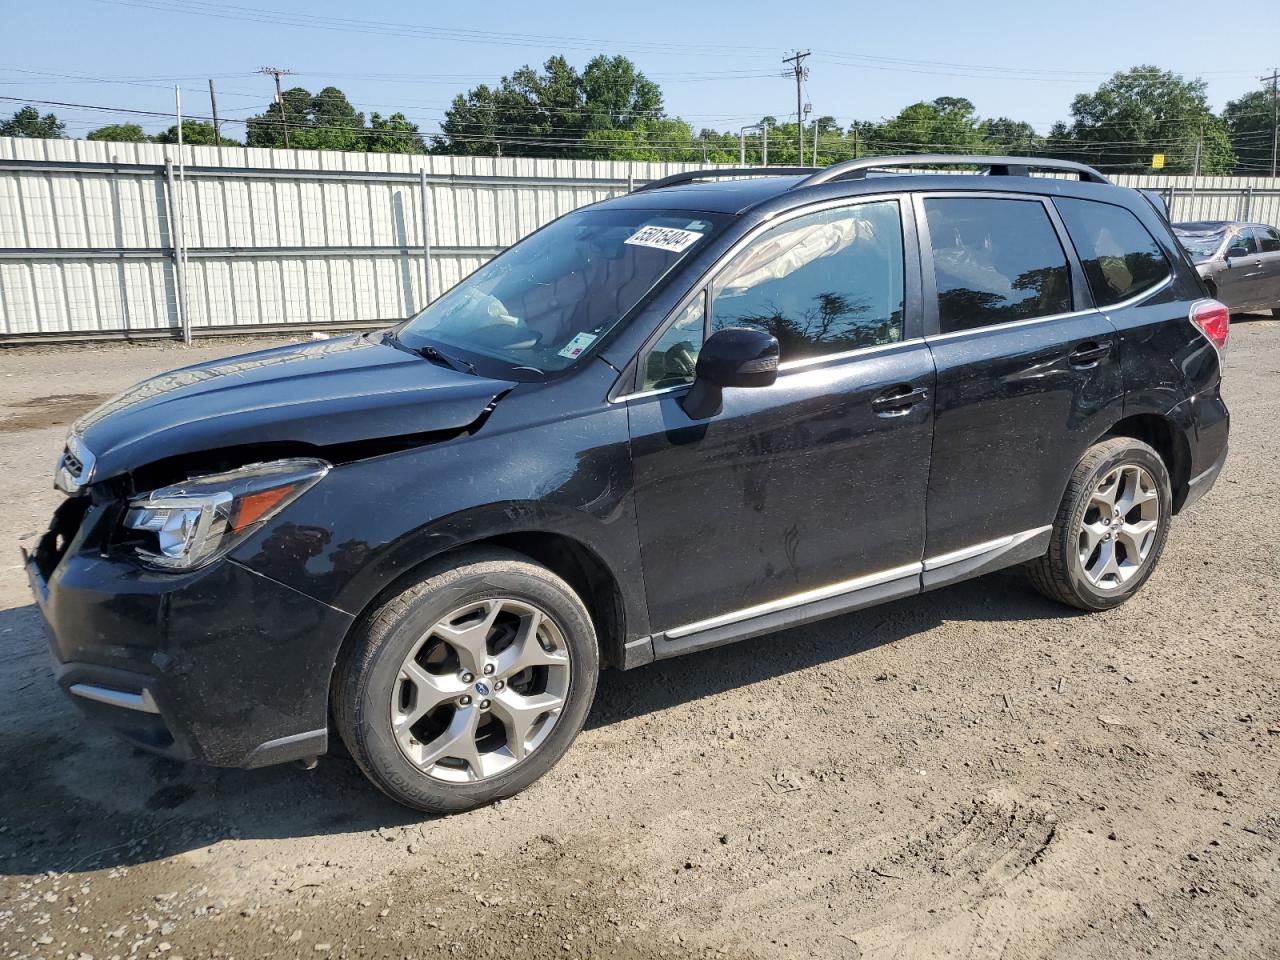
<point x="785" y="368"/>
<point x="1011" y="325"/>
<point x="1121" y="305"/>
<point x="1139" y="297"/>
<point x="806" y="362"/>
<point x="854" y="585"/>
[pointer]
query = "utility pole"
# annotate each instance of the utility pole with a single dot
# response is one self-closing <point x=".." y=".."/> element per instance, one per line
<point x="801" y="73"/>
<point x="1199" y="144"/>
<point x="213" y="103"/>
<point x="278" y="73"/>
<point x="1275" y="115"/>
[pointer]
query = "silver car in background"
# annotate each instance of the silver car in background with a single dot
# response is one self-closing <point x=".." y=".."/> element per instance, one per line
<point x="1240" y="262"/>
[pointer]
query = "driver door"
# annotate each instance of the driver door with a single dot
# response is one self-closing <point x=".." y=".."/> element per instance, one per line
<point x="807" y="491"/>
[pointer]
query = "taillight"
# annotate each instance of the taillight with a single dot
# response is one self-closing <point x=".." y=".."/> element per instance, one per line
<point x="1213" y="319"/>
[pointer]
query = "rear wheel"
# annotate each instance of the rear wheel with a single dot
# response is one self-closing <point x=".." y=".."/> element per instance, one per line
<point x="1110" y="528"/>
<point x="469" y="685"/>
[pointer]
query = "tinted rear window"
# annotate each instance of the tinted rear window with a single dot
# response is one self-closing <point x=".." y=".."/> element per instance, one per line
<point x="995" y="261"/>
<point x="1121" y="259"/>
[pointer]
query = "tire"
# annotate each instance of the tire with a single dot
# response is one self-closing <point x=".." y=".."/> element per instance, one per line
<point x="497" y="592"/>
<point x="1091" y="582"/>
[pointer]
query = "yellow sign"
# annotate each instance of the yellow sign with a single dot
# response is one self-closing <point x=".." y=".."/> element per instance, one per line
<point x="1157" y="161"/>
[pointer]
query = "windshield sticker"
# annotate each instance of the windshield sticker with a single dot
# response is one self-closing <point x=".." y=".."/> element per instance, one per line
<point x="573" y="349"/>
<point x="664" y="238"/>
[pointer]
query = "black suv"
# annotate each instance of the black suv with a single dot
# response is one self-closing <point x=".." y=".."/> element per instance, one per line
<point x="726" y="403"/>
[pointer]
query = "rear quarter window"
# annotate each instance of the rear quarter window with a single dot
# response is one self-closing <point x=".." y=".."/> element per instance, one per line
<point x="1120" y="257"/>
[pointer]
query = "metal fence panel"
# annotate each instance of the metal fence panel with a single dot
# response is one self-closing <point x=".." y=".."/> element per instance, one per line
<point x="297" y="238"/>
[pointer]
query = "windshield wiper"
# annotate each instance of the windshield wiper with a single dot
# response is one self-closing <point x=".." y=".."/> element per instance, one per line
<point x="435" y="355"/>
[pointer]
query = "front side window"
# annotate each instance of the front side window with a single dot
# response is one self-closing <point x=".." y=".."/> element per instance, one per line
<point x="995" y="261"/>
<point x="821" y="283"/>
<point x="1120" y="258"/>
<point x="541" y="305"/>
<point x="1242" y="240"/>
<point x="673" y="359"/>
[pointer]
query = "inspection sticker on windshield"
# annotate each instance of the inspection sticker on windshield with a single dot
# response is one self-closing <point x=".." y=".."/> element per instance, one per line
<point x="574" y="347"/>
<point x="664" y="238"/>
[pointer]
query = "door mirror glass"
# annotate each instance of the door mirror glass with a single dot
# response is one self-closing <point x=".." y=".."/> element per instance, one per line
<point x="733" y="357"/>
<point x="1237" y="250"/>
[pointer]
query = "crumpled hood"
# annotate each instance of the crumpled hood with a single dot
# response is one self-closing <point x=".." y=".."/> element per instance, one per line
<point x="319" y="393"/>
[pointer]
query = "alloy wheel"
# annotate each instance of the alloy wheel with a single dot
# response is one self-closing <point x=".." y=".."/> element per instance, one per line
<point x="481" y="690"/>
<point x="1119" y="527"/>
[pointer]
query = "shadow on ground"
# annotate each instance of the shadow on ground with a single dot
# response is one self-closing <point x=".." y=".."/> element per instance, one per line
<point x="75" y="798"/>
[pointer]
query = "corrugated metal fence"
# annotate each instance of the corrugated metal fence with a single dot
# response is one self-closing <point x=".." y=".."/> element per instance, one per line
<point x="88" y="231"/>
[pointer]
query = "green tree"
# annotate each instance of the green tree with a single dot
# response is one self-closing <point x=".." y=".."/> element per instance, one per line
<point x="1141" y="112"/>
<point x="266" y="129"/>
<point x="119" y="133"/>
<point x="27" y="122"/>
<point x="1015" y="137"/>
<point x="194" y="132"/>
<point x="943" y="125"/>
<point x="395" y="134"/>
<point x="1249" y="123"/>
<point x="609" y="109"/>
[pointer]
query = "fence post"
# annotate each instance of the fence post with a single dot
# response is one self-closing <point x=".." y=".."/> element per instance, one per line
<point x="1172" y="216"/>
<point x="1248" y="204"/>
<point x="174" y="209"/>
<point x="426" y="240"/>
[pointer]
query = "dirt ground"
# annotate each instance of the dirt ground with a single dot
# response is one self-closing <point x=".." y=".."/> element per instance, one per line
<point x="973" y="773"/>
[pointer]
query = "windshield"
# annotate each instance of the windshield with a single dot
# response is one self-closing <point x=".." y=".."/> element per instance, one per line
<point x="1201" y="246"/>
<point x="543" y="304"/>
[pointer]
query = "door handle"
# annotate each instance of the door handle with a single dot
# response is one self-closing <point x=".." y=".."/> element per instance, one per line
<point x="897" y="400"/>
<point x="1089" y="354"/>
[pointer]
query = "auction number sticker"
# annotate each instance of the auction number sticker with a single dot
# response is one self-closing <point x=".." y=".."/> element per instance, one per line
<point x="664" y="238"/>
<point x="574" y="347"/>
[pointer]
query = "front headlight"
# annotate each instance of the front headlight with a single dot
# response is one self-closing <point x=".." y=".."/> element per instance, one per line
<point x="189" y="524"/>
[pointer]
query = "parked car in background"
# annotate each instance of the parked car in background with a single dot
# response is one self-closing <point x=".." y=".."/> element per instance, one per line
<point x="729" y="402"/>
<point x="1240" y="262"/>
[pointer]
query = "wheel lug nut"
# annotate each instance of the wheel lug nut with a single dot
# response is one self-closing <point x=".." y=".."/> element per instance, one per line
<point x="466" y="677"/>
<point x="484" y="704"/>
<point x="500" y="684"/>
<point x="488" y="669"/>
<point x="465" y="701"/>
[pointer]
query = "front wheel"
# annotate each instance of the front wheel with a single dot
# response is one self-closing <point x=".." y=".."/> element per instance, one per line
<point x="469" y="685"/>
<point x="1110" y="528"/>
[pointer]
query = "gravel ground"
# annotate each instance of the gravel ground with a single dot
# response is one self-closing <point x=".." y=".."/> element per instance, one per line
<point x="972" y="773"/>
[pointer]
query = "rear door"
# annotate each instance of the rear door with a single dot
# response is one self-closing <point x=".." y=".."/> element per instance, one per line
<point x="812" y="488"/>
<point x="1266" y="286"/>
<point x="1027" y="374"/>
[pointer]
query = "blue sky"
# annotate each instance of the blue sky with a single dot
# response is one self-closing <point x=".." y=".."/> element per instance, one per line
<point x="718" y="64"/>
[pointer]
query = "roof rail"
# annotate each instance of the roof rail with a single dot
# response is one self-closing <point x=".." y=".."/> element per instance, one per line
<point x="688" y="176"/>
<point x="996" y="166"/>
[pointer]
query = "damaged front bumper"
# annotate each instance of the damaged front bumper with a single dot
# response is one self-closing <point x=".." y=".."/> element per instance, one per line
<point x="221" y="665"/>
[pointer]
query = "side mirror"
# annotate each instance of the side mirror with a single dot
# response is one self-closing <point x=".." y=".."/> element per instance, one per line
<point x="733" y="357"/>
<point x="1237" y="251"/>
